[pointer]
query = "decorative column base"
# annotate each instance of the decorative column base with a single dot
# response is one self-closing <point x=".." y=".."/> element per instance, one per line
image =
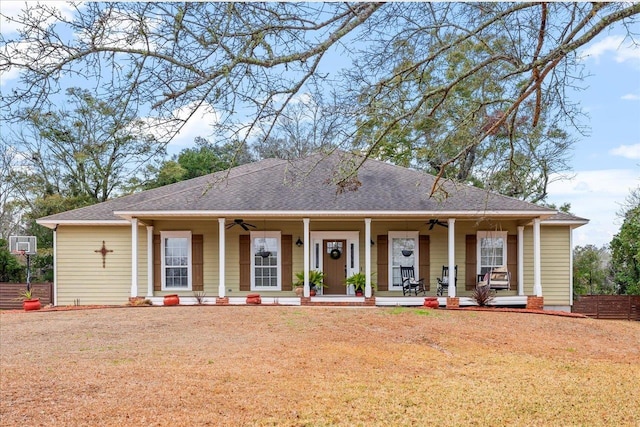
<point x="453" y="302"/>
<point x="535" y="303"/>
<point x="370" y="301"/>
<point x="222" y="301"/>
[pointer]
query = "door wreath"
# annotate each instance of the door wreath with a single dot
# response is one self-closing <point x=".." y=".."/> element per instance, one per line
<point x="335" y="253"/>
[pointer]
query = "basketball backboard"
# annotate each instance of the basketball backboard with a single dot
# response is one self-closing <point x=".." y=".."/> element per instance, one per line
<point x="25" y="245"/>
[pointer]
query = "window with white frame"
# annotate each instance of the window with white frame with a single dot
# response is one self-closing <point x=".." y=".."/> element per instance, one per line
<point x="266" y="260"/>
<point x="403" y="251"/>
<point x="492" y="250"/>
<point x="176" y="260"/>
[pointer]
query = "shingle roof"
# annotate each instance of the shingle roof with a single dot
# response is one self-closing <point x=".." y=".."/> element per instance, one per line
<point x="276" y="185"/>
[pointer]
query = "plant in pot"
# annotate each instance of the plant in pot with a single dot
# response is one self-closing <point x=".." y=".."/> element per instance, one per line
<point x="359" y="282"/>
<point x="316" y="279"/>
<point x="28" y="301"/>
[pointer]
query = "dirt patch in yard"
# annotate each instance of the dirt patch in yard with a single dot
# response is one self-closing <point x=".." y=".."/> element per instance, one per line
<point x="295" y="366"/>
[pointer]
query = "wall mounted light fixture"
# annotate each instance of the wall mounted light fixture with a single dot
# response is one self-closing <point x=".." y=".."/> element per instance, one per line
<point x="299" y="242"/>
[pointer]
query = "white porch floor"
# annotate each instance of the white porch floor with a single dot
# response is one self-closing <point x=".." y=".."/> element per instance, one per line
<point x="520" y="300"/>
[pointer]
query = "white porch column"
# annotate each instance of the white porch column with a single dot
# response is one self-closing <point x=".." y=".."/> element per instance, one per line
<point x="134" y="257"/>
<point x="150" y="256"/>
<point x="367" y="257"/>
<point x="452" y="257"/>
<point x="537" y="283"/>
<point x="306" y="255"/>
<point x="520" y="260"/>
<point x="221" y="258"/>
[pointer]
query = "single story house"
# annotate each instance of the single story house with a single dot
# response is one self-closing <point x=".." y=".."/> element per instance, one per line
<point x="252" y="228"/>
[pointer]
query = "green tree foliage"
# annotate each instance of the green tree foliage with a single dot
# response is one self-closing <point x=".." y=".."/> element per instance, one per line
<point x="591" y="271"/>
<point x="625" y="249"/>
<point x="203" y="159"/>
<point x="515" y="157"/>
<point x="11" y="271"/>
<point x="88" y="148"/>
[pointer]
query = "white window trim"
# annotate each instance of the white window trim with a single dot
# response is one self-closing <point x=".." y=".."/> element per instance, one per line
<point x="490" y="234"/>
<point x="258" y="235"/>
<point x="352" y="237"/>
<point x="183" y="234"/>
<point x="416" y="254"/>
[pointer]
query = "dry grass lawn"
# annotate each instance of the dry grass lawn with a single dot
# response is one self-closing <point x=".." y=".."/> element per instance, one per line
<point x="299" y="366"/>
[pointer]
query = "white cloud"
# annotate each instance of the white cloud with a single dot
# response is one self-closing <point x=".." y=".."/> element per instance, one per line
<point x="22" y="52"/>
<point x="630" y="97"/>
<point x="627" y="151"/>
<point x="624" y="49"/>
<point x="596" y="195"/>
<point x="199" y="124"/>
<point x="13" y="9"/>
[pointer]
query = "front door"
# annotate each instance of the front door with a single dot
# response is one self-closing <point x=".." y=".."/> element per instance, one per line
<point x="334" y="267"/>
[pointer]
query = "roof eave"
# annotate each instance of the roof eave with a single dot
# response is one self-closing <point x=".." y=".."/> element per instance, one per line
<point x="574" y="223"/>
<point x="53" y="223"/>
<point x="128" y="215"/>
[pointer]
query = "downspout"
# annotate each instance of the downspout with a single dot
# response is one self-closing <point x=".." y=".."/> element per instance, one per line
<point x="55" y="266"/>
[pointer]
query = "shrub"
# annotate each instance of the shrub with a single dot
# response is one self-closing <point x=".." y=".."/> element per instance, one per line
<point x="483" y="295"/>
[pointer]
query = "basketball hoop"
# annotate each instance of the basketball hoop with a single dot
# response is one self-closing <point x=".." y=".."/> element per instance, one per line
<point x="24" y="246"/>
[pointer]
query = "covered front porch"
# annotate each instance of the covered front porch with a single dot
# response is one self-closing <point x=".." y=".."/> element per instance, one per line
<point x="433" y="249"/>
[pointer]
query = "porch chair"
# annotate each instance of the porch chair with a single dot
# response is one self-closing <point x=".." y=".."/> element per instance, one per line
<point x="443" y="281"/>
<point x="498" y="279"/>
<point x="410" y="283"/>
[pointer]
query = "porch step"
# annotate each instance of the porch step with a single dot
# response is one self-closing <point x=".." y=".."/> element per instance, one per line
<point x="338" y="301"/>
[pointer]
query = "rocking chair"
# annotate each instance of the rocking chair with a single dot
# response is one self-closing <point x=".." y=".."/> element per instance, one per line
<point x="443" y="281"/>
<point x="410" y="283"/>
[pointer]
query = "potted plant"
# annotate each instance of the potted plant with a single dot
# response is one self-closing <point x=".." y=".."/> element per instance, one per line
<point x="172" y="299"/>
<point x="359" y="281"/>
<point x="28" y="301"/>
<point x="316" y="279"/>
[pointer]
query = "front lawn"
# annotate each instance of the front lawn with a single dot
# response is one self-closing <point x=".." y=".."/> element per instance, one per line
<point x="314" y="366"/>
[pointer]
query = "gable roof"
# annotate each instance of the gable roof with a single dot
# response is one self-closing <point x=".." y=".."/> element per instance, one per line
<point x="304" y="187"/>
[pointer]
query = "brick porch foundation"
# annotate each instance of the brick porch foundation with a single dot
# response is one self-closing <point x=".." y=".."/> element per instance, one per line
<point x="222" y="301"/>
<point x="453" y="302"/>
<point x="535" y="303"/>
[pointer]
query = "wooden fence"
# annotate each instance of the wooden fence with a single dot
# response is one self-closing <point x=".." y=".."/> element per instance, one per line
<point x="10" y="292"/>
<point x="625" y="307"/>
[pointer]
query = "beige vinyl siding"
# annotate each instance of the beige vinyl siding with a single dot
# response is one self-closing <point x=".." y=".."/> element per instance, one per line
<point x="555" y="242"/>
<point x="555" y="253"/>
<point x="80" y="276"/>
<point x="440" y="248"/>
<point x="209" y="231"/>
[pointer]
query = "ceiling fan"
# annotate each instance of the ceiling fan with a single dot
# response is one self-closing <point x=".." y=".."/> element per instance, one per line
<point x="433" y="222"/>
<point x="241" y="223"/>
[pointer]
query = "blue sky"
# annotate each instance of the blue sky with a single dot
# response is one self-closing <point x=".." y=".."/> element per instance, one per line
<point x="605" y="165"/>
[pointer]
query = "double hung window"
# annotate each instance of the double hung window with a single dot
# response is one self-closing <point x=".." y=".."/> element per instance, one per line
<point x="492" y="250"/>
<point x="403" y="251"/>
<point x="176" y="260"/>
<point x="266" y="260"/>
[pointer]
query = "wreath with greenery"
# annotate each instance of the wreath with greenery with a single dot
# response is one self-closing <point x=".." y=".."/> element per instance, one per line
<point x="335" y="254"/>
